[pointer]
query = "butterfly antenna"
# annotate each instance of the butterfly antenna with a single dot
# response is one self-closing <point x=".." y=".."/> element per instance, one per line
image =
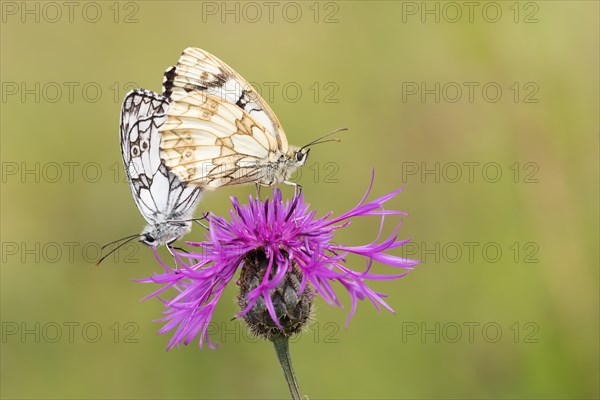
<point x="321" y="141"/>
<point x="126" y="239"/>
<point x="118" y="240"/>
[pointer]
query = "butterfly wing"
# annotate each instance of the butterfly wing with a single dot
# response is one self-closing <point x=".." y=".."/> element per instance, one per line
<point x="211" y="143"/>
<point x="200" y="71"/>
<point x="218" y="130"/>
<point x="159" y="194"/>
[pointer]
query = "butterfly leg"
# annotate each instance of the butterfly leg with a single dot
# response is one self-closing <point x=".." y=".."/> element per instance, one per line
<point x="180" y="249"/>
<point x="173" y="255"/>
<point x="197" y="220"/>
<point x="297" y="192"/>
<point x="170" y="249"/>
<point x="258" y="186"/>
<point x="297" y="188"/>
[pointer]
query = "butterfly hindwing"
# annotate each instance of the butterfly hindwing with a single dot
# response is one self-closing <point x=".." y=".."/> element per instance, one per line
<point x="208" y="143"/>
<point x="158" y="193"/>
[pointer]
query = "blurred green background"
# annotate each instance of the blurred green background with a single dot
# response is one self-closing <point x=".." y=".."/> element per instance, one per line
<point x="498" y="101"/>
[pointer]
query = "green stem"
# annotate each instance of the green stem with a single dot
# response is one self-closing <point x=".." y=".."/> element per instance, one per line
<point x="282" y="349"/>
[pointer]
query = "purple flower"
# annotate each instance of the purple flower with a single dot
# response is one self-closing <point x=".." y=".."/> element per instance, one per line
<point x="290" y="234"/>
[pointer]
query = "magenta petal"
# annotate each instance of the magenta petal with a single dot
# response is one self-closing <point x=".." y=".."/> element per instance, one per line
<point x="290" y="234"/>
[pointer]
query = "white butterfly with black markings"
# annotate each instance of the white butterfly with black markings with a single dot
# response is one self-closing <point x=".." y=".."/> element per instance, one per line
<point x="218" y="131"/>
<point x="166" y="203"/>
<point x="209" y="129"/>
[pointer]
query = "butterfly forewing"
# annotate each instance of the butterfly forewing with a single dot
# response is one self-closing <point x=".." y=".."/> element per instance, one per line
<point x="198" y="70"/>
<point x="218" y="130"/>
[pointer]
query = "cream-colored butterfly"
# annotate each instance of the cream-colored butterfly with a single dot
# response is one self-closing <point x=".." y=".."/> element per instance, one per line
<point x="218" y="131"/>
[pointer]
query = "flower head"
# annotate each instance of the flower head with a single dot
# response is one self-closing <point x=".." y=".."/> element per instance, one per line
<point x="292" y="238"/>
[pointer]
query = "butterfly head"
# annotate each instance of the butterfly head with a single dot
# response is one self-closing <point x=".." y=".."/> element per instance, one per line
<point x="297" y="156"/>
<point x="164" y="233"/>
<point x="287" y="164"/>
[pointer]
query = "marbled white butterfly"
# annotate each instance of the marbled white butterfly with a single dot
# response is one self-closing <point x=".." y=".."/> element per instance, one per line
<point x="218" y="131"/>
<point x="166" y="203"/>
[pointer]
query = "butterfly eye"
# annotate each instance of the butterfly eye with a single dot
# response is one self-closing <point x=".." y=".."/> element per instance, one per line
<point x="299" y="155"/>
<point x="135" y="150"/>
<point x="149" y="239"/>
